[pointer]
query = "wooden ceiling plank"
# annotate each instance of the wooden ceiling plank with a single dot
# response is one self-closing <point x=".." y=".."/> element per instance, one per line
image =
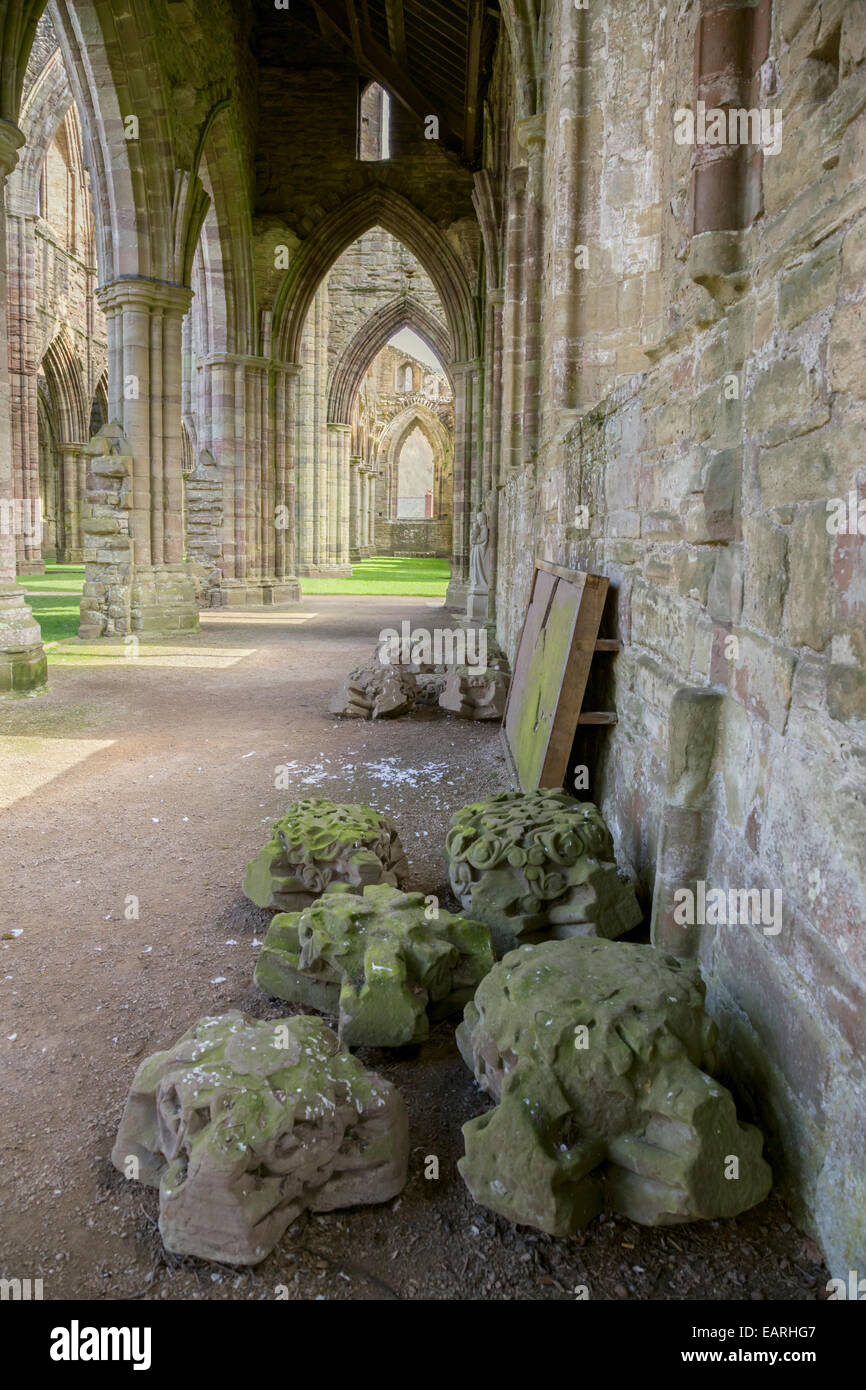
<point x="373" y="58"/>
<point x="396" y="31"/>
<point x="473" y="66"/>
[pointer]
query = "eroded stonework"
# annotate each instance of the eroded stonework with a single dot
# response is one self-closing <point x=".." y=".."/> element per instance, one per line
<point x="537" y="864"/>
<point x="320" y="844"/>
<point x="244" y="1123"/>
<point x="381" y="962"/>
<point x="598" y="1054"/>
<point x="475" y="694"/>
<point x="375" y="692"/>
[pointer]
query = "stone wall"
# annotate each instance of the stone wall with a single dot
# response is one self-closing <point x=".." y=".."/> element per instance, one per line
<point x="413" y="537"/>
<point x="703" y="401"/>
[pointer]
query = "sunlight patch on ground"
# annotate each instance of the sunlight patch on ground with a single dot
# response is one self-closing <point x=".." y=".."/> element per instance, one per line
<point x="28" y="763"/>
<point x="238" y="617"/>
<point x="151" y="656"/>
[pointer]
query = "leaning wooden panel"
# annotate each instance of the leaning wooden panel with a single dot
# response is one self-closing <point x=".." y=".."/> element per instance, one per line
<point x="550" y="673"/>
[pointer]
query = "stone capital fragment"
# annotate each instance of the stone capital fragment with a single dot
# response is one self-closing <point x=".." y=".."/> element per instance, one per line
<point x="321" y="845"/>
<point x="599" y="1055"/>
<point x="243" y="1124"/>
<point x="386" y="963"/>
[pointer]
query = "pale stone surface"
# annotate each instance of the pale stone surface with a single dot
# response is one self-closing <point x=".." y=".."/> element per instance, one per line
<point x="475" y="694"/>
<point x="375" y="692"/>
<point x="388" y="963"/>
<point x="244" y="1124"/>
<point x="536" y="864"/>
<point x="599" y="1055"/>
<point x="320" y="844"/>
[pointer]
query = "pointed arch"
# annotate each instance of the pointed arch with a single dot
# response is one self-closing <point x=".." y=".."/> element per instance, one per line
<point x="374" y="334"/>
<point x="43" y="111"/>
<point x="106" y="48"/>
<point x="376" y="207"/>
<point x="67" y="390"/>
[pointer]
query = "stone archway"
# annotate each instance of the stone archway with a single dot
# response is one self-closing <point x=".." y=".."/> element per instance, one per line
<point x="430" y="536"/>
<point x="381" y="206"/>
<point x="374" y="334"/>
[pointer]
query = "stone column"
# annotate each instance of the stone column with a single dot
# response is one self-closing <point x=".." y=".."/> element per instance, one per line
<point x="73" y="469"/>
<point x="24" y="410"/>
<point x="531" y="135"/>
<point x="254" y="402"/>
<point x="339" y="444"/>
<point x="23" y="665"/>
<point x="355" y="510"/>
<point x="285" y="410"/>
<point x="468" y="379"/>
<point x="491" y="459"/>
<point x="144" y="386"/>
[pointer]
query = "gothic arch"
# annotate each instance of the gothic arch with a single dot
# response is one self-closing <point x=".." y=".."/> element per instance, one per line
<point x="375" y="207"/>
<point x="394" y="436"/>
<point x="67" y="389"/>
<point x="42" y="113"/>
<point x="373" y="335"/>
<point x="135" y="189"/>
<point x="226" y="237"/>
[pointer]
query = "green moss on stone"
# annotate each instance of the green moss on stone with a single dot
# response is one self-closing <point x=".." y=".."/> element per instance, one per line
<point x="379" y="960"/>
<point x="599" y="1054"/>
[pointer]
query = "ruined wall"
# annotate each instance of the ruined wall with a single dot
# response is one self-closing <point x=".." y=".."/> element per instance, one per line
<point x="703" y="402"/>
<point x="372" y="272"/>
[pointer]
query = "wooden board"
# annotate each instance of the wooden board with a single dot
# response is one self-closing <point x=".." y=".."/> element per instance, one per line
<point x="557" y="645"/>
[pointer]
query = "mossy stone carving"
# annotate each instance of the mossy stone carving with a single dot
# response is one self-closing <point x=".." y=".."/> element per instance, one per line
<point x="243" y="1124"/>
<point x="321" y="845"/>
<point x="379" y="961"/>
<point x="599" y="1054"/>
<point x="538" y="864"/>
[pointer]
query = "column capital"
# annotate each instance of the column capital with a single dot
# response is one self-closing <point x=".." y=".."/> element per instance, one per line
<point x="11" y="140"/>
<point x="240" y="359"/>
<point x="339" y="425"/>
<point x="140" y="292"/>
<point x="462" y="368"/>
<point x="496" y="297"/>
<point x="530" y="130"/>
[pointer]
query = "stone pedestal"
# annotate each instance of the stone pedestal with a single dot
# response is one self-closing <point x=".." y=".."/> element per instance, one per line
<point x="23" y="666"/>
<point x="477" y="605"/>
<point x="144" y="354"/>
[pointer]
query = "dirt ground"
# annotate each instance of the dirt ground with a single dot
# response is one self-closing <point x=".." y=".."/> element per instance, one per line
<point x="153" y="778"/>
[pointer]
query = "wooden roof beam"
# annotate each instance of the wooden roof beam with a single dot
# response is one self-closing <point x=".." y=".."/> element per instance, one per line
<point x="396" y="31"/>
<point x="473" y="67"/>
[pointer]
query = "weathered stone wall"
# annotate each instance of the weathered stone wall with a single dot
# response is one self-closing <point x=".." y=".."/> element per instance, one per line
<point x="413" y="537"/>
<point x="703" y="400"/>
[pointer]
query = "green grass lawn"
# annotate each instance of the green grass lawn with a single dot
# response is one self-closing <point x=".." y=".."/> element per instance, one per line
<point x="56" y="578"/>
<point x="58" y="616"/>
<point x="383" y="574"/>
<point x="55" y="611"/>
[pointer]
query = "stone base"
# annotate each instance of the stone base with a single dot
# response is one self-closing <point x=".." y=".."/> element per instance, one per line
<point x="477" y="606"/>
<point x="31" y="567"/>
<point x="325" y="571"/>
<point x="23" y="664"/>
<point x="456" y="595"/>
<point x="259" y="593"/>
<point x="163" y="602"/>
<point x="70" y="557"/>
